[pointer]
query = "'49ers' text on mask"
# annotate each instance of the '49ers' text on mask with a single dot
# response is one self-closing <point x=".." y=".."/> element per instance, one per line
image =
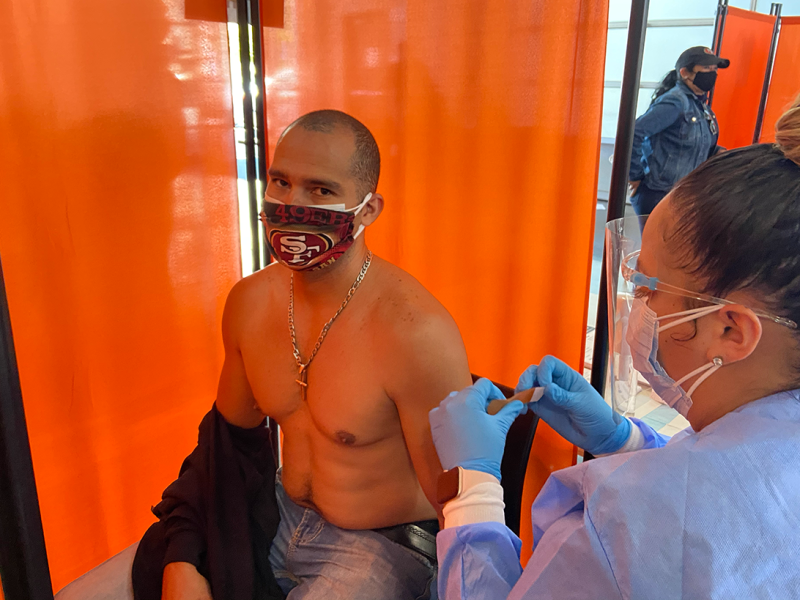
<point x="309" y="237"/>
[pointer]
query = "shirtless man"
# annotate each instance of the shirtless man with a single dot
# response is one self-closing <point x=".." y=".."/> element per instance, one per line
<point x="357" y="448"/>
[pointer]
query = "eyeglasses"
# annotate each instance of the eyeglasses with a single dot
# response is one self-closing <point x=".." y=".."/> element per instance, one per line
<point x="640" y="280"/>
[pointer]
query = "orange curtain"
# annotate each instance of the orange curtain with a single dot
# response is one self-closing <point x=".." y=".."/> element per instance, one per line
<point x="785" y="84"/>
<point x="488" y="119"/>
<point x="119" y="241"/>
<point x="746" y="42"/>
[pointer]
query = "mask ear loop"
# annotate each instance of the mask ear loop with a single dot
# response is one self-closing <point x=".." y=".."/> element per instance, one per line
<point x="361" y="226"/>
<point x="709" y="369"/>
<point x="357" y="209"/>
<point x="688" y="315"/>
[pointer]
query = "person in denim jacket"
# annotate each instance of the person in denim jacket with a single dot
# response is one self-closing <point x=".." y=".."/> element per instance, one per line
<point x="678" y="132"/>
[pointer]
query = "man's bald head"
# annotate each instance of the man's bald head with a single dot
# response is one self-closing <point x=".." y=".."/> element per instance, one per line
<point x="366" y="160"/>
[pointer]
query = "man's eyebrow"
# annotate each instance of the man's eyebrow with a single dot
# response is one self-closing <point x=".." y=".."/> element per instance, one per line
<point x="326" y="183"/>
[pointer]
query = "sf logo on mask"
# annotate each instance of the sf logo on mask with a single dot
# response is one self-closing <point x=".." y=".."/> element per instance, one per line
<point x="297" y="249"/>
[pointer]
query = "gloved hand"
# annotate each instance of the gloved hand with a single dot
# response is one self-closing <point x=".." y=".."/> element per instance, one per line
<point x="573" y="408"/>
<point x="465" y="435"/>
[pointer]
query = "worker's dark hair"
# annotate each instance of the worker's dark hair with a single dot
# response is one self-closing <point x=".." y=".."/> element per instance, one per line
<point x="669" y="81"/>
<point x="738" y="221"/>
<point x="366" y="160"/>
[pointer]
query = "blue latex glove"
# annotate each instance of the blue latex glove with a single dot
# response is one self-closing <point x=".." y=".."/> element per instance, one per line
<point x="465" y="435"/>
<point x="574" y="408"/>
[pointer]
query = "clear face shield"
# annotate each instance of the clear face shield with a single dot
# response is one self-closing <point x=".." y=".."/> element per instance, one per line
<point x="627" y="286"/>
<point x="623" y="239"/>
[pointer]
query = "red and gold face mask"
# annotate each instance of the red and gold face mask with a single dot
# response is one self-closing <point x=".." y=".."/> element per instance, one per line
<point x="309" y="237"/>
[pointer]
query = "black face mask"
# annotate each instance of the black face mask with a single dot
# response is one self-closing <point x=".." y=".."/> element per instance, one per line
<point x="705" y="80"/>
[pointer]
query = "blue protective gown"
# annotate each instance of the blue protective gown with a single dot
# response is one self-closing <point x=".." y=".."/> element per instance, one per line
<point x="714" y="514"/>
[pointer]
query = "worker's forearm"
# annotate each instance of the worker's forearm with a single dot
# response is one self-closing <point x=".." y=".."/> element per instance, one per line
<point x="651" y="438"/>
<point x="477" y="562"/>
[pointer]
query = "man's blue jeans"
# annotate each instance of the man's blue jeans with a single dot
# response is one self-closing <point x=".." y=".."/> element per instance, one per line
<point x="313" y="559"/>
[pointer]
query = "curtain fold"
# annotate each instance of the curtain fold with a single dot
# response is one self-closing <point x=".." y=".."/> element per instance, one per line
<point x="119" y="240"/>
<point x="488" y="116"/>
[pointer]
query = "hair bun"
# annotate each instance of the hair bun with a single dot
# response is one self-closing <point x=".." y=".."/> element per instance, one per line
<point x="787" y="132"/>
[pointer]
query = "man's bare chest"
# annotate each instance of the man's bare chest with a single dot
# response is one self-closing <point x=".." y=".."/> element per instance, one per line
<point x="345" y="399"/>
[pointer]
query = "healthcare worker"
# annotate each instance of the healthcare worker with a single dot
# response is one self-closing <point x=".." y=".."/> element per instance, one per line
<point x="713" y="512"/>
<point x="678" y="132"/>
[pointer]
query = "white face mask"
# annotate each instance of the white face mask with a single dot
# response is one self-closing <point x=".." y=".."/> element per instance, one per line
<point x="642" y="337"/>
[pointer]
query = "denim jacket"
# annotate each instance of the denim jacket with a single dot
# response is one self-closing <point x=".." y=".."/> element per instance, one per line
<point x="676" y="134"/>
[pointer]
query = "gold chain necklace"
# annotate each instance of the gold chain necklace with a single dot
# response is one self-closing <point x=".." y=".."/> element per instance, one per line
<point x="302" y="367"/>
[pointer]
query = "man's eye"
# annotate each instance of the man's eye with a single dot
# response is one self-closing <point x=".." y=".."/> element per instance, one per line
<point x="279" y="182"/>
<point x="321" y="191"/>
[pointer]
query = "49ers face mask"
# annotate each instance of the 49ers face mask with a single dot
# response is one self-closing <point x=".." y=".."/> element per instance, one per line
<point x="309" y="237"/>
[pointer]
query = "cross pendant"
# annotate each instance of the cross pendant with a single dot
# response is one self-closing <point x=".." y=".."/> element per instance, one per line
<point x="302" y="381"/>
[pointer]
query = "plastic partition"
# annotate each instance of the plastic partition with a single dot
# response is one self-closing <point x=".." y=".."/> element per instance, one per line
<point x="119" y="239"/>
<point x="488" y="119"/>
<point x="746" y="42"/>
<point x="784" y="86"/>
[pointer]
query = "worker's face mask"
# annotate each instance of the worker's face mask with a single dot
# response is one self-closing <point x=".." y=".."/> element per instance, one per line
<point x="642" y="337"/>
<point x="310" y="237"/>
<point x="705" y="80"/>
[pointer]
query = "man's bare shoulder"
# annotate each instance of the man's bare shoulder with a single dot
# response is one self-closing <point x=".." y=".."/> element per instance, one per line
<point x="253" y="296"/>
<point x="419" y="337"/>
<point x="410" y="312"/>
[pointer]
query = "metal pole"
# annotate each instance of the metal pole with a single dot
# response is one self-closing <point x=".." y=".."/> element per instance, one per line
<point x="719" y="32"/>
<point x="262" y="135"/>
<point x="762" y="105"/>
<point x="717" y="19"/>
<point x="617" y="196"/>
<point x="261" y="98"/>
<point x="249" y="134"/>
<point x="24" y="570"/>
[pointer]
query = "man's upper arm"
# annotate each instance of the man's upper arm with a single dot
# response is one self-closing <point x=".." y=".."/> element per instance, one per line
<point x="235" y="400"/>
<point x="431" y="362"/>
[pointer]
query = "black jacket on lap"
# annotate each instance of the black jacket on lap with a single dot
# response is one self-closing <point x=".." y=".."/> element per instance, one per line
<point x="220" y="515"/>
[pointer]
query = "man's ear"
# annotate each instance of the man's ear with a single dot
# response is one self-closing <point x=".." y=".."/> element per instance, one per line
<point x="372" y="210"/>
<point x="687" y="73"/>
<point x="739" y="331"/>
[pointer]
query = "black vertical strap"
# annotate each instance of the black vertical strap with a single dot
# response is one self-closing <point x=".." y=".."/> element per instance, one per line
<point x="261" y="119"/>
<point x="262" y="135"/>
<point x="717" y="19"/>
<point x="719" y="32"/>
<point x="618" y="193"/>
<point x="249" y="131"/>
<point x="719" y="26"/>
<point x="773" y="48"/>
<point x="23" y="559"/>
